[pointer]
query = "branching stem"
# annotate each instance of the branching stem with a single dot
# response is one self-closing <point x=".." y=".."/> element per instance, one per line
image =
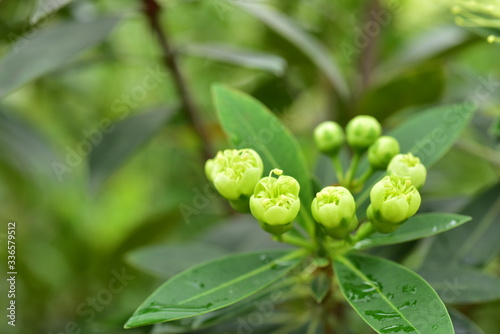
<point x="152" y="11"/>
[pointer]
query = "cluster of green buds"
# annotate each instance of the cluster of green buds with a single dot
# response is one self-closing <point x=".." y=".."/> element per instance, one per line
<point x="393" y="199"/>
<point x="362" y="133"/>
<point x="236" y="175"/>
<point x="274" y="200"/>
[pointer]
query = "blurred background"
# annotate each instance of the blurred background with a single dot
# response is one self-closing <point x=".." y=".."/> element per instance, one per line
<point x="104" y="131"/>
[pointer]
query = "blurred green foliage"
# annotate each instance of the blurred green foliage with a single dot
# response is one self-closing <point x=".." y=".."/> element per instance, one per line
<point x="74" y="228"/>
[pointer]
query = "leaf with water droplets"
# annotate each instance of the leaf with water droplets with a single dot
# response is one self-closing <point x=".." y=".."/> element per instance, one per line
<point x="419" y="226"/>
<point x="390" y="297"/>
<point x="213" y="285"/>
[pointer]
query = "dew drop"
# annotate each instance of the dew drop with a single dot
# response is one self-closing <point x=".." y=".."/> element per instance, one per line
<point x="363" y="292"/>
<point x="196" y="284"/>
<point x="407" y="305"/>
<point x="279" y="265"/>
<point x="265" y="258"/>
<point x="179" y="310"/>
<point x="410" y="289"/>
<point x="397" y="329"/>
<point x="435" y="327"/>
<point x="381" y="315"/>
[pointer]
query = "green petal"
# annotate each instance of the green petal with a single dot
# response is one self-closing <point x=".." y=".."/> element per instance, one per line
<point x="257" y="208"/>
<point x="395" y="209"/>
<point x="330" y="215"/>
<point x="276" y="215"/>
<point x="227" y="187"/>
<point x="414" y="203"/>
<point x="249" y="180"/>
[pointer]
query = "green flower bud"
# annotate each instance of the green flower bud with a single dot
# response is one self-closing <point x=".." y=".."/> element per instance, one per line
<point x="382" y="151"/>
<point x="329" y="137"/>
<point x="407" y="165"/>
<point x="394" y="199"/>
<point x="335" y="209"/>
<point x="362" y="131"/>
<point x="235" y="173"/>
<point x="275" y="202"/>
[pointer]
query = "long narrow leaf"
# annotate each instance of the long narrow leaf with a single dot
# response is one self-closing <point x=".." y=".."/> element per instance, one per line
<point x="213" y="285"/>
<point x="306" y="43"/>
<point x="417" y="227"/>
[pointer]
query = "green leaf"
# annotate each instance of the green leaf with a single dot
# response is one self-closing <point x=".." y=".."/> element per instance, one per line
<point x="236" y="56"/>
<point x="456" y="285"/>
<point x="180" y="257"/>
<point x="428" y="45"/>
<point x="462" y="324"/>
<point x="390" y="297"/>
<point x="47" y="49"/>
<point x="428" y="134"/>
<point x="24" y="149"/>
<point x="266" y="302"/>
<point x="320" y="286"/>
<point x="413" y="87"/>
<point x="44" y="8"/>
<point x="419" y="226"/>
<point x="291" y="31"/>
<point x="213" y="285"/>
<point x="475" y="244"/>
<point x="249" y="124"/>
<point x="122" y="139"/>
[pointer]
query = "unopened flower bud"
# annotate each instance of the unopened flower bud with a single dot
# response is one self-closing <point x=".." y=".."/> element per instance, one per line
<point x="362" y="131"/>
<point x="335" y="209"/>
<point x="408" y="165"/>
<point x="382" y="151"/>
<point x="394" y="199"/>
<point x="235" y="173"/>
<point x="329" y="137"/>
<point x="275" y="202"/>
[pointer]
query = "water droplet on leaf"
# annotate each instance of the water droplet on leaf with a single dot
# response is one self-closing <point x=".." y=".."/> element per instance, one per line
<point x="381" y="315"/>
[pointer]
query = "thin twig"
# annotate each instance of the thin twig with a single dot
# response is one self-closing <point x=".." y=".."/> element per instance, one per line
<point x="368" y="57"/>
<point x="152" y="10"/>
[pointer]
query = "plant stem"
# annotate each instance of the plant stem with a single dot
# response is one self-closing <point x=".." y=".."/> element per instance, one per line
<point x="368" y="56"/>
<point x="152" y="11"/>
<point x="352" y="169"/>
<point x="364" y="231"/>
<point x="338" y="168"/>
<point x="369" y="172"/>
<point x="292" y="240"/>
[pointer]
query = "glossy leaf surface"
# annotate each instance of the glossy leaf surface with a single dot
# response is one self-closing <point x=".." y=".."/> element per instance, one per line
<point x="213" y="285"/>
<point x="390" y="297"/>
